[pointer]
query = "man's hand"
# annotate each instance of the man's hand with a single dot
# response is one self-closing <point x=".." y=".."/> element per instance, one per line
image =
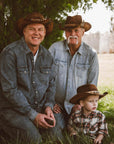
<point x="40" y="121"/>
<point x="50" y="114"/>
<point x="98" y="139"/>
<point x="57" y="108"/>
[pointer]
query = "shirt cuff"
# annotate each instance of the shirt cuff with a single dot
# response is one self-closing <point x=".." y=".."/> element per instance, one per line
<point x="32" y="114"/>
<point x="48" y="104"/>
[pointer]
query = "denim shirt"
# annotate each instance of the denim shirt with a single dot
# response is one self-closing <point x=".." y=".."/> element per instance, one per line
<point x="25" y="86"/>
<point x="74" y="71"/>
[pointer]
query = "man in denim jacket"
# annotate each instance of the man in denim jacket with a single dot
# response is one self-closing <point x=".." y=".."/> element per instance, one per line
<point x="27" y="81"/>
<point x="77" y="64"/>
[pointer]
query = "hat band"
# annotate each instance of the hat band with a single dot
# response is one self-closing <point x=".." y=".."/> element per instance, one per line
<point x="75" y="25"/>
<point x="82" y="24"/>
<point x="38" y="20"/>
<point x="92" y="92"/>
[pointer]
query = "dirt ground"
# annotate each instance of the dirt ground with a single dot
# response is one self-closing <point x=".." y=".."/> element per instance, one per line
<point x="106" y="70"/>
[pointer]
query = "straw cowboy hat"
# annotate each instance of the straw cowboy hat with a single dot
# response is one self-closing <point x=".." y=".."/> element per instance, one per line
<point x="34" y="18"/>
<point x="75" y="21"/>
<point x="84" y="91"/>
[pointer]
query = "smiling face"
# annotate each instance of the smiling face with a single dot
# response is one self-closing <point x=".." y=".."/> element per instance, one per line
<point x="89" y="104"/>
<point x="34" y="34"/>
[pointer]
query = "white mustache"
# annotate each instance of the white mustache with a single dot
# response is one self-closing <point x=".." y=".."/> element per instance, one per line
<point x="71" y="37"/>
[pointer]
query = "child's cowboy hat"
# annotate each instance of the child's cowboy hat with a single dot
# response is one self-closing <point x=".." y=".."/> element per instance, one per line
<point x="84" y="91"/>
<point x="33" y="18"/>
<point x="75" y="21"/>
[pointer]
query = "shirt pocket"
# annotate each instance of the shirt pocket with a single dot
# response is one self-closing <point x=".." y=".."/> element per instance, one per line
<point x="82" y="69"/>
<point x="22" y="75"/>
<point x="61" y="66"/>
<point x="45" y="74"/>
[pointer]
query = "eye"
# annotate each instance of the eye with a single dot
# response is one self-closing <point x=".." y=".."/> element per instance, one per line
<point x="41" y="29"/>
<point x="31" y="28"/>
<point x="91" y="101"/>
<point x="76" y="30"/>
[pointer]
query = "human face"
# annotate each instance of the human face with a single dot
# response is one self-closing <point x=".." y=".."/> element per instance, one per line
<point x="90" y="103"/>
<point x="34" y="34"/>
<point x="74" y="35"/>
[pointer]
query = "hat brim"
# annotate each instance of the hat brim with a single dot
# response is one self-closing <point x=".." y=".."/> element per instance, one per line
<point x="22" y="23"/>
<point x="75" y="99"/>
<point x="87" y="26"/>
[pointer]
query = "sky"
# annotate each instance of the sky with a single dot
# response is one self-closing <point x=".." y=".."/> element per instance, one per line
<point x="98" y="17"/>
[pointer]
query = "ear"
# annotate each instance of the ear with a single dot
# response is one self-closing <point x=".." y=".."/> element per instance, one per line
<point x="23" y="31"/>
<point x="83" y="31"/>
<point x="81" y="103"/>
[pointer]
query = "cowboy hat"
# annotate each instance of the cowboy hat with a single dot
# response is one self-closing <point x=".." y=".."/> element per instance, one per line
<point x="33" y="18"/>
<point x="85" y="91"/>
<point x="75" y="21"/>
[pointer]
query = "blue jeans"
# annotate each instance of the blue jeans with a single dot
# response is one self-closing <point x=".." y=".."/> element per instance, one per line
<point x="19" y="126"/>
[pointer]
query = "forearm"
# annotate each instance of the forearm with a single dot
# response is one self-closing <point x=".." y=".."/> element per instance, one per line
<point x="50" y="92"/>
<point x="12" y="93"/>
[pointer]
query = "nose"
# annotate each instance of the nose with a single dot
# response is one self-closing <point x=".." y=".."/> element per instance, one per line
<point x="95" y="103"/>
<point x="36" y="32"/>
<point x="73" y="33"/>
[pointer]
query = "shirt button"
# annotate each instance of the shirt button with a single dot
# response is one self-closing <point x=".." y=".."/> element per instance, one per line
<point x="36" y="92"/>
<point x="25" y="72"/>
<point x="36" y="102"/>
<point x="33" y="71"/>
<point x="33" y="82"/>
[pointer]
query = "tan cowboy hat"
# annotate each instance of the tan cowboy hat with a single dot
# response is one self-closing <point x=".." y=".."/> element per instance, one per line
<point x="84" y="91"/>
<point x="33" y="18"/>
<point x="75" y="21"/>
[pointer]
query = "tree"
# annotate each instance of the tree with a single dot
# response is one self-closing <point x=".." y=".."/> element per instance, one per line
<point x="12" y="10"/>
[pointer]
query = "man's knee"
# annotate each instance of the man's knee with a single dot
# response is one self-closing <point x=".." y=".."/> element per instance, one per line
<point x="60" y="125"/>
<point x="60" y="120"/>
<point x="21" y="127"/>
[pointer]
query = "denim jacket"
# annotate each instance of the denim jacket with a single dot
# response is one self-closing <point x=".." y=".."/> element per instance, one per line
<point x="74" y="71"/>
<point x="26" y="87"/>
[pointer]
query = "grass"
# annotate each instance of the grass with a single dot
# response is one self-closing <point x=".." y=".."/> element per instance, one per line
<point x="106" y="106"/>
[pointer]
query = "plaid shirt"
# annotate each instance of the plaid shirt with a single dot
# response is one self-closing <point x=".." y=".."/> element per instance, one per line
<point x="92" y="125"/>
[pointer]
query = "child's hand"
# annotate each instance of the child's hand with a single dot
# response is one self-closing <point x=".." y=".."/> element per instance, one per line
<point x="98" y="139"/>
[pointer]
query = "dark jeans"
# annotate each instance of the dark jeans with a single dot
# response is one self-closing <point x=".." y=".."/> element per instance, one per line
<point x="19" y="126"/>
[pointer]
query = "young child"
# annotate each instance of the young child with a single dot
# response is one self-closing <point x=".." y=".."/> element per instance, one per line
<point x="88" y="120"/>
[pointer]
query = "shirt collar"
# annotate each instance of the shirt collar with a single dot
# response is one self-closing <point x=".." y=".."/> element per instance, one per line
<point x="80" y="50"/>
<point x="93" y="113"/>
<point x="35" y="56"/>
<point x="27" y="50"/>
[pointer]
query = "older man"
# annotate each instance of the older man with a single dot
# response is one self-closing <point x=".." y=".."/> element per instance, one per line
<point x="27" y="81"/>
<point x="77" y="63"/>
